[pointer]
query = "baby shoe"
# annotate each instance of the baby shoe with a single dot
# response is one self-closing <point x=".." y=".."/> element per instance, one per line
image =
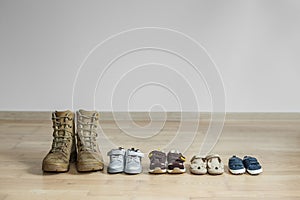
<point x="133" y="161"/>
<point x="157" y="162"/>
<point x="252" y="165"/>
<point x="198" y="165"/>
<point x="236" y="166"/>
<point x="116" y="164"/>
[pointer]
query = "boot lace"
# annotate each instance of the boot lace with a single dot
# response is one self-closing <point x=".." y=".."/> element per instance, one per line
<point x="61" y="134"/>
<point x="87" y="132"/>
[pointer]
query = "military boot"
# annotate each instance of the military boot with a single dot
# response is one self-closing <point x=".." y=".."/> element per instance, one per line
<point x="89" y="157"/>
<point x="63" y="146"/>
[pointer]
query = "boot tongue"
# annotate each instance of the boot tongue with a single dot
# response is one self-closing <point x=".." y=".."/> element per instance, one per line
<point x="88" y="113"/>
<point x="63" y="113"/>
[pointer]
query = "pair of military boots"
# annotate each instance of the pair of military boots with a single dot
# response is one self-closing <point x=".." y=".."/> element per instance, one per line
<point x="70" y="146"/>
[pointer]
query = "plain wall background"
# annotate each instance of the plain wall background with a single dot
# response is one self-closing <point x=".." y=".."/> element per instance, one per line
<point x="256" y="45"/>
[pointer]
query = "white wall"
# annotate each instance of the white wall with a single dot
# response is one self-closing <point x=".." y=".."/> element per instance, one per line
<point x="256" y="45"/>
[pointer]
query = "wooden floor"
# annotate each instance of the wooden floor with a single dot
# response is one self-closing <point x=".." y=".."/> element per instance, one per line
<point x="273" y="138"/>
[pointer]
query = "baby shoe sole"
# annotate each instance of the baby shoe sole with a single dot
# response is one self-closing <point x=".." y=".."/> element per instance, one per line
<point x="132" y="172"/>
<point x="114" y="171"/>
<point x="197" y="172"/>
<point x="237" y="171"/>
<point x="176" y="170"/>
<point x="157" y="170"/>
<point x="254" y="172"/>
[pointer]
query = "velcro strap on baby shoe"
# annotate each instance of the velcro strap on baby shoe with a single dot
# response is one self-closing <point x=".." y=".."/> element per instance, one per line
<point x="134" y="153"/>
<point x="116" y="152"/>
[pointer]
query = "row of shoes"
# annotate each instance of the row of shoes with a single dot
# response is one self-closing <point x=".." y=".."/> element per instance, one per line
<point x="80" y="145"/>
<point x="173" y="163"/>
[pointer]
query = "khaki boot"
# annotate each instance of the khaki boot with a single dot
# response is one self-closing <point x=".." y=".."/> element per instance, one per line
<point x="89" y="157"/>
<point x="63" y="146"/>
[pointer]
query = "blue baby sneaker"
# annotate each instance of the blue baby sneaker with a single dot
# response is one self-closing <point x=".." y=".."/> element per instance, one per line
<point x="252" y="165"/>
<point x="236" y="166"/>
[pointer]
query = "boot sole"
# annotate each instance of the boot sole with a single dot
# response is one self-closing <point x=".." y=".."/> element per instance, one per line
<point x="55" y="168"/>
<point x="89" y="167"/>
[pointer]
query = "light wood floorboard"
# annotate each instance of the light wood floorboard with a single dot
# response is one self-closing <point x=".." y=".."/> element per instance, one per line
<point x="273" y="138"/>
